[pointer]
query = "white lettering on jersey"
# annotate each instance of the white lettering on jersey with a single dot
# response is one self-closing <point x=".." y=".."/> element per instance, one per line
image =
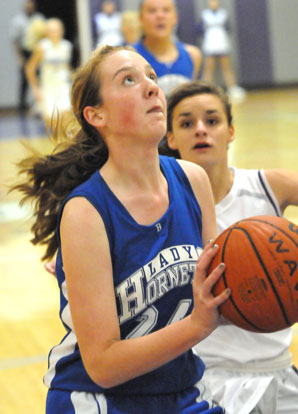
<point x="158" y="227"/>
<point x="172" y="267"/>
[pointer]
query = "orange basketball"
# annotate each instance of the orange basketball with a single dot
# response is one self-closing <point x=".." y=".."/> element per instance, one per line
<point x="260" y="254"/>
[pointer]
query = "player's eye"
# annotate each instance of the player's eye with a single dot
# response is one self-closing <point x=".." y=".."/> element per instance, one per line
<point x="212" y="121"/>
<point x="153" y="77"/>
<point x="186" y="124"/>
<point x="129" y="80"/>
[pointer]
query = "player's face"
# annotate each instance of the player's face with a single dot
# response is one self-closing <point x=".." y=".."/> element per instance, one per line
<point x="200" y="130"/>
<point x="109" y="7"/>
<point x="54" y="31"/>
<point x="133" y="104"/>
<point x="158" y="17"/>
<point x="213" y="4"/>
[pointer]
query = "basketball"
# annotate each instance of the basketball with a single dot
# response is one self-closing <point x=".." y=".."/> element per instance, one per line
<point x="260" y="255"/>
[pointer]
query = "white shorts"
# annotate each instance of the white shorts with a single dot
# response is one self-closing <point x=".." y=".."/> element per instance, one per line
<point x="254" y="393"/>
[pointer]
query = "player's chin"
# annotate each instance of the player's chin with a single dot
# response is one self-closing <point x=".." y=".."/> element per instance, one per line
<point x="158" y="128"/>
<point x="201" y="158"/>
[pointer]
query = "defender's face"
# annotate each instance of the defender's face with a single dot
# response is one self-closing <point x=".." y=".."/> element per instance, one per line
<point x="200" y="130"/>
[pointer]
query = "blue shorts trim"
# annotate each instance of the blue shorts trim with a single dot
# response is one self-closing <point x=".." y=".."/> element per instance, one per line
<point x="190" y="401"/>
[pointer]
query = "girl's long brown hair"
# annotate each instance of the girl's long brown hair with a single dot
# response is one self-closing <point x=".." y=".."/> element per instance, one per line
<point x="49" y="179"/>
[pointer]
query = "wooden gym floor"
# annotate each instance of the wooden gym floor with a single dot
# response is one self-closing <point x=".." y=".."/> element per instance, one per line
<point x="266" y="136"/>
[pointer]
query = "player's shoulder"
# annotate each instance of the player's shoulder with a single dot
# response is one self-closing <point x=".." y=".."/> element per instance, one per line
<point x="196" y="56"/>
<point x="278" y="173"/>
<point x="43" y="43"/>
<point x="67" y="44"/>
<point x="78" y="207"/>
<point x="195" y="173"/>
<point x="193" y="50"/>
<point x="281" y="179"/>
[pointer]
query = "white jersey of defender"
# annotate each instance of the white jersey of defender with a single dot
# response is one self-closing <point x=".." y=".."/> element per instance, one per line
<point x="229" y="345"/>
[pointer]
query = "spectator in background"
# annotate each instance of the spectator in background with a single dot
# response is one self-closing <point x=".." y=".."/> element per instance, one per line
<point x="216" y="47"/>
<point x="130" y="26"/>
<point x="173" y="61"/>
<point x="24" y="45"/>
<point x="52" y="56"/>
<point x="108" y="25"/>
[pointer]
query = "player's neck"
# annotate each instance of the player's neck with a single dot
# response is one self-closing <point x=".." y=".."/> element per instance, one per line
<point x="135" y="172"/>
<point x="162" y="47"/>
<point x="221" y="180"/>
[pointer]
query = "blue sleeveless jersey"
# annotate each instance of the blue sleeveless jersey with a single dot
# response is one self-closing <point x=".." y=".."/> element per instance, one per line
<point x="153" y="268"/>
<point x="170" y="75"/>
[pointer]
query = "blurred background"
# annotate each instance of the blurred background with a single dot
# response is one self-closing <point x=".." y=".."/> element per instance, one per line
<point x="263" y="34"/>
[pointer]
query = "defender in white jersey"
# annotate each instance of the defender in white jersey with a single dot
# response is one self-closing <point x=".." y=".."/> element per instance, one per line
<point x="247" y="372"/>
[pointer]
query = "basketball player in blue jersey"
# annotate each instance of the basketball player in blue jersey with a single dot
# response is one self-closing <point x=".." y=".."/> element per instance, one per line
<point x="173" y="61"/>
<point x="247" y="372"/>
<point x="131" y="267"/>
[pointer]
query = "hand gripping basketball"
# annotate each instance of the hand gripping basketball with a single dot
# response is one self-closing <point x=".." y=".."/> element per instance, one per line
<point x="260" y="254"/>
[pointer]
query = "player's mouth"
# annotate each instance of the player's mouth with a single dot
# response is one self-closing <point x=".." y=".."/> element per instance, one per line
<point x="155" y="109"/>
<point x="200" y="146"/>
<point x="160" y="26"/>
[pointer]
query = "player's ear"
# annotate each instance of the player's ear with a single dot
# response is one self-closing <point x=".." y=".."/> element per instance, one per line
<point x="94" y="116"/>
<point x="232" y="134"/>
<point x="171" y="141"/>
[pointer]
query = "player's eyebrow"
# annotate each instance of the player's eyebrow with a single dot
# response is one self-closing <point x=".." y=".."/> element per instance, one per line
<point x="208" y="111"/>
<point x="130" y="67"/>
<point x="211" y="111"/>
<point x="183" y="114"/>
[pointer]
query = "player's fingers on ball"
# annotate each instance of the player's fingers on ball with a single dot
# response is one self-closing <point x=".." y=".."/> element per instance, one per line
<point x="212" y="278"/>
<point x="204" y="261"/>
<point x="222" y="297"/>
<point x="210" y="243"/>
<point x="206" y="256"/>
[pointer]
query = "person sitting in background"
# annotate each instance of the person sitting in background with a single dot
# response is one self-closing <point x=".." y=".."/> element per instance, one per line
<point x="173" y="61"/>
<point x="248" y="373"/>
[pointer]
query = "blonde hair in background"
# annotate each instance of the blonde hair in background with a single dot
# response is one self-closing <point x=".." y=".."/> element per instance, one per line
<point x="36" y="31"/>
<point x="131" y="26"/>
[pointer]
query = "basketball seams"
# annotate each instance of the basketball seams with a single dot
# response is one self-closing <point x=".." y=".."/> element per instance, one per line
<point x="264" y="252"/>
<point x="269" y="279"/>
<point x="281" y="306"/>
<point x="226" y="285"/>
<point x="272" y="225"/>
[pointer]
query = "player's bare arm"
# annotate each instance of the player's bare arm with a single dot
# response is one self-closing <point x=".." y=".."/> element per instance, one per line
<point x="284" y="184"/>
